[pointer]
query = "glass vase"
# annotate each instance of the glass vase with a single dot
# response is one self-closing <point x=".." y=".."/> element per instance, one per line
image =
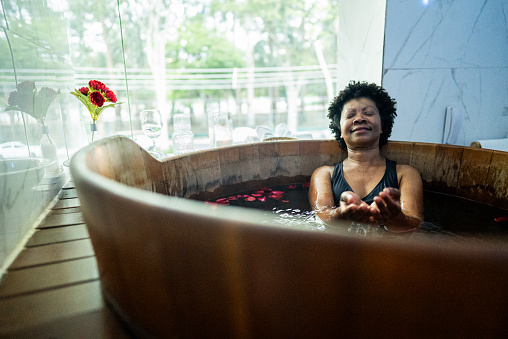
<point x="94" y="135"/>
<point x="49" y="151"/>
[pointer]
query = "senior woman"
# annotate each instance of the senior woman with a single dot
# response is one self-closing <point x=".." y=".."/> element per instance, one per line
<point x="366" y="187"/>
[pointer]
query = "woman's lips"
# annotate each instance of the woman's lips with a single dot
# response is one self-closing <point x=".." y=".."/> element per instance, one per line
<point x="360" y="129"/>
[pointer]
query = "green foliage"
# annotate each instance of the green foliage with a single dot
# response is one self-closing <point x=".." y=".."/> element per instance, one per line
<point x="203" y="47"/>
<point x="202" y="39"/>
<point x="95" y="35"/>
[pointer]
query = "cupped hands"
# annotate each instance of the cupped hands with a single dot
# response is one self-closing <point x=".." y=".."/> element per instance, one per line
<point x="384" y="207"/>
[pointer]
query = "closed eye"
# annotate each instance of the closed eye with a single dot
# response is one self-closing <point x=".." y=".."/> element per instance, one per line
<point x="350" y="114"/>
<point x="369" y="111"/>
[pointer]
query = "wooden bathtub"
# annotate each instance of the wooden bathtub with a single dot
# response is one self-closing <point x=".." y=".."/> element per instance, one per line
<point x="173" y="267"/>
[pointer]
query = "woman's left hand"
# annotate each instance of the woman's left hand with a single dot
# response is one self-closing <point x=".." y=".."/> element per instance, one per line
<point x="386" y="205"/>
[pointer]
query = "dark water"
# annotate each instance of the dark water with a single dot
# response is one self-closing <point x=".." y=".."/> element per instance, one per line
<point x="287" y="205"/>
<point x="445" y="215"/>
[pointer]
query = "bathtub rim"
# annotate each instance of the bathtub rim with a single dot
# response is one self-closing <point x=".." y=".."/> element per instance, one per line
<point x="42" y="164"/>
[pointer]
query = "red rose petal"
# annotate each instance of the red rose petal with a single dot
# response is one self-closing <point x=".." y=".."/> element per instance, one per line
<point x="110" y="95"/>
<point x="83" y="90"/>
<point x="250" y="199"/>
<point x="97" y="99"/>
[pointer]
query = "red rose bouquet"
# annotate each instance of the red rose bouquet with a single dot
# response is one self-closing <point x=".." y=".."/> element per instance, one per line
<point x="96" y="98"/>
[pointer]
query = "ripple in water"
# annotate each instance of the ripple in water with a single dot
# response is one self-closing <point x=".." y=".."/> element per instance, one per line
<point x="296" y="218"/>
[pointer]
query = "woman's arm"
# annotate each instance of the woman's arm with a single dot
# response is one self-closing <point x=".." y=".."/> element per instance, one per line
<point x="351" y="206"/>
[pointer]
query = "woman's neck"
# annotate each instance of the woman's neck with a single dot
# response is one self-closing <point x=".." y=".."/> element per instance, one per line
<point x="371" y="156"/>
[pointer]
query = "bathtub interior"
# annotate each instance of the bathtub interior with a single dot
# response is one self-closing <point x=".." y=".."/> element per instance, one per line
<point x="477" y="175"/>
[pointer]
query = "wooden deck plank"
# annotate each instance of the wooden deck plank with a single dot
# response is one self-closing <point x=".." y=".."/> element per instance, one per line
<point x="53" y="253"/>
<point x="57" y="234"/>
<point x="76" y="209"/>
<point x="100" y="324"/>
<point x="67" y="203"/>
<point x="35" y="309"/>
<point x="52" y="290"/>
<point x="69" y="184"/>
<point x="68" y="193"/>
<point x="44" y="277"/>
<point x="58" y="219"/>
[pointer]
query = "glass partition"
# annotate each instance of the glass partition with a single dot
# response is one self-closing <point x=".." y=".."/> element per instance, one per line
<point x="269" y="66"/>
<point x="265" y="65"/>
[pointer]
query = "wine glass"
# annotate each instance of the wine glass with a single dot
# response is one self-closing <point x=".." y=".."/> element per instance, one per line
<point x="151" y="124"/>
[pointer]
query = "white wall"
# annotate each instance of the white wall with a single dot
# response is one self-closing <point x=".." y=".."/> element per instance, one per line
<point x="360" y="41"/>
<point x="449" y="52"/>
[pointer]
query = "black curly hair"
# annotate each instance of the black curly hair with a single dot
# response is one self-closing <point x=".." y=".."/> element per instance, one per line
<point x="355" y="90"/>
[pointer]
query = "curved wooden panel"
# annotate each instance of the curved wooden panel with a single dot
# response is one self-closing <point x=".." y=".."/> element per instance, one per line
<point x="174" y="267"/>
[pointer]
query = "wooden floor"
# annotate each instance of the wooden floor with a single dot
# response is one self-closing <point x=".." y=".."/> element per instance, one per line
<point x="52" y="289"/>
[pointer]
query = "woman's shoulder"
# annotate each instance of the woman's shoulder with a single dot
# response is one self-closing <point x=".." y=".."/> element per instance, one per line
<point x="324" y="170"/>
<point x="407" y="171"/>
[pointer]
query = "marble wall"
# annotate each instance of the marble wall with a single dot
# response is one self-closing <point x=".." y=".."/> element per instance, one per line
<point x="444" y="53"/>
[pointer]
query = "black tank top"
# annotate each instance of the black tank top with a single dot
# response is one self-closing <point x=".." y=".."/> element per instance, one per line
<point x="340" y="185"/>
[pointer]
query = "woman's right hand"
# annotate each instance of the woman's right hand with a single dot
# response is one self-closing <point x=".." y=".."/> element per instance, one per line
<point x="352" y="207"/>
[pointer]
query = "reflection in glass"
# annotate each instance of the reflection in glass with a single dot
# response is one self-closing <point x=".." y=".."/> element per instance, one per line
<point x="35" y="102"/>
<point x="33" y="61"/>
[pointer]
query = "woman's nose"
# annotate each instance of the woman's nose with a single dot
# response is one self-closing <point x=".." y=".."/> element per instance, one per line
<point x="359" y="119"/>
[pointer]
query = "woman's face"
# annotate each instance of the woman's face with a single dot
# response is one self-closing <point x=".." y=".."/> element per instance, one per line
<point x="360" y="123"/>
